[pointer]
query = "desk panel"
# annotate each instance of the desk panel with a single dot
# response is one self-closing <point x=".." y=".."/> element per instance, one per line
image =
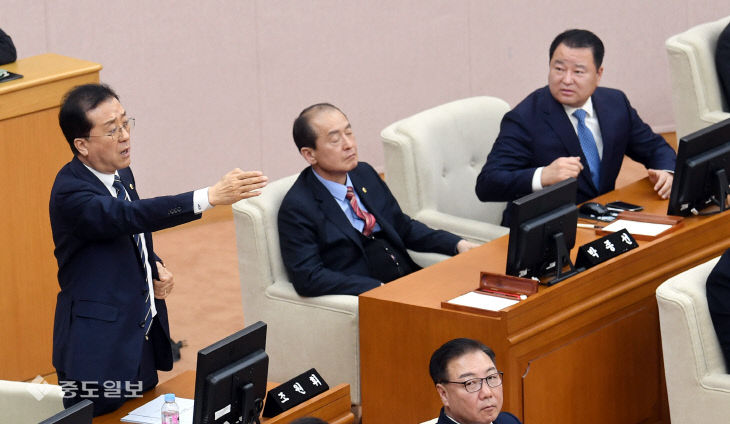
<point x="32" y="151"/>
<point x="602" y="322"/>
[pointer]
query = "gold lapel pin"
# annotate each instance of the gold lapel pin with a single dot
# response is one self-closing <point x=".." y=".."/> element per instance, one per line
<point x="131" y="186"/>
<point x="364" y="190"/>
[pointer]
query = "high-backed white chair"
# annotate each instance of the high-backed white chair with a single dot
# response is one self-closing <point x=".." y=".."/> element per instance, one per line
<point x="303" y="332"/>
<point x="698" y="385"/>
<point x="432" y="160"/>
<point x="28" y="402"/>
<point x="696" y="92"/>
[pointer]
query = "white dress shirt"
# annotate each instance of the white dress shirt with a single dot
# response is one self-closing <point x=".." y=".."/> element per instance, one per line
<point x="592" y="124"/>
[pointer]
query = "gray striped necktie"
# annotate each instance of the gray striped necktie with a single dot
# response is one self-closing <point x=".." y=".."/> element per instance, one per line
<point x="147" y="322"/>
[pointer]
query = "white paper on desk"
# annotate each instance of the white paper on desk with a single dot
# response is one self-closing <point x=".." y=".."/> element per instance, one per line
<point x="151" y="412"/>
<point x="483" y="301"/>
<point x="637" y="227"/>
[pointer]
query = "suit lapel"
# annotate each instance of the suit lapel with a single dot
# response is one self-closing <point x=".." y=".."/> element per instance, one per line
<point x="128" y="183"/>
<point x="81" y="171"/>
<point x="331" y="209"/>
<point x="361" y="184"/>
<point x="558" y="120"/>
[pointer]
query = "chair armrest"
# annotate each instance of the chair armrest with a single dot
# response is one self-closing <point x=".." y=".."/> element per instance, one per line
<point x="342" y="303"/>
<point x="716" y="382"/>
<point x="715" y="116"/>
<point x="424" y="259"/>
<point x="471" y="229"/>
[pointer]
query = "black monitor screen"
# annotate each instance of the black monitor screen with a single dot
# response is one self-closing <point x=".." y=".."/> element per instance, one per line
<point x="701" y="174"/>
<point x="230" y="379"/>
<point x="79" y="413"/>
<point x="542" y="230"/>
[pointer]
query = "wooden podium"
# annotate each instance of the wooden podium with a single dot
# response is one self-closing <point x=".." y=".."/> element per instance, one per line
<point x="585" y="350"/>
<point x="32" y="150"/>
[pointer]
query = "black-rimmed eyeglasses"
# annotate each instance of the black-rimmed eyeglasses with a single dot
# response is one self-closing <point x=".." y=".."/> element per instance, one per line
<point x="116" y="132"/>
<point x="475" y="384"/>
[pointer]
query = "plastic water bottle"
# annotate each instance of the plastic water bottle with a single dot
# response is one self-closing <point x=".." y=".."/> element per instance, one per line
<point x="170" y="410"/>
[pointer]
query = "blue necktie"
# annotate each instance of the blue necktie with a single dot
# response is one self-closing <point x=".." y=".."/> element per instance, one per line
<point x="590" y="150"/>
<point x="122" y="194"/>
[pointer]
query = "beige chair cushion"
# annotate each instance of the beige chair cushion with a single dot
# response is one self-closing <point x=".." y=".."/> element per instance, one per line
<point x="698" y="385"/>
<point x="432" y="160"/>
<point x="696" y="93"/>
<point x="29" y="402"/>
<point x="303" y="332"/>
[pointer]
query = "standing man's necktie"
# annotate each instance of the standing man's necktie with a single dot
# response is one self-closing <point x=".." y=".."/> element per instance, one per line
<point x="122" y="194"/>
<point x="365" y="216"/>
<point x="588" y="143"/>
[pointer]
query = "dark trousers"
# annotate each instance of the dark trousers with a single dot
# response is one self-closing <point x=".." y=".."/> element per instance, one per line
<point x="108" y="396"/>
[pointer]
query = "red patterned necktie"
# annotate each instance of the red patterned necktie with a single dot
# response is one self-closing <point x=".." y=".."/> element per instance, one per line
<point x="365" y="216"/>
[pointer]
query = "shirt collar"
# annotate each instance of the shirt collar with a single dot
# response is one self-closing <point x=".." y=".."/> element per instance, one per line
<point x="454" y="421"/>
<point x="587" y="106"/>
<point x="106" y="179"/>
<point x="337" y="190"/>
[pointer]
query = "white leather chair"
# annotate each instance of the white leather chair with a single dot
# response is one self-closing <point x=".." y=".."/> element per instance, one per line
<point x="303" y="332"/>
<point x="696" y="92"/>
<point x="432" y="160"/>
<point x="28" y="402"/>
<point x="698" y="385"/>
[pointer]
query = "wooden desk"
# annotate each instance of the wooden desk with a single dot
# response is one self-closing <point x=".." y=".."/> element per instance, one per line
<point x="332" y="406"/>
<point x="585" y="350"/>
<point x="32" y="150"/>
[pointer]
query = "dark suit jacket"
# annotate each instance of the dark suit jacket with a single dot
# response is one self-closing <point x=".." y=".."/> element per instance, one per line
<point x="97" y="334"/>
<point x="538" y="131"/>
<point x="322" y="251"/>
<point x="502" y="418"/>
<point x="7" y="48"/>
<point x="718" y="300"/>
<point x="722" y="62"/>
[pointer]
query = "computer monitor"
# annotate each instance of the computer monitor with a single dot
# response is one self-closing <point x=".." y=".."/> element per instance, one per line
<point x="701" y="174"/>
<point x="230" y="379"/>
<point x="542" y="232"/>
<point x="79" y="413"/>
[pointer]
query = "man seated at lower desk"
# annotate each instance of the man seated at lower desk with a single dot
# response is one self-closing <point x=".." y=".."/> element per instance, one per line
<point x="469" y="384"/>
<point x="572" y="128"/>
<point x="341" y="230"/>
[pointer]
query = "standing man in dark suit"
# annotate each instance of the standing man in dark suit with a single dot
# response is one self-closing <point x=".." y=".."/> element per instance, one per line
<point x="572" y="128"/>
<point x="469" y="384"/>
<point x="335" y="242"/>
<point x="111" y="332"/>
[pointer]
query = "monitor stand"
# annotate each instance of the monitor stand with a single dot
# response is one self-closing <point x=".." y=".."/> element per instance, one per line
<point x="719" y="199"/>
<point x="722" y="189"/>
<point x="562" y="259"/>
<point x="250" y="406"/>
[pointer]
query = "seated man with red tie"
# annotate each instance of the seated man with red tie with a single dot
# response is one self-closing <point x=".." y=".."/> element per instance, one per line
<point x="341" y="230"/>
